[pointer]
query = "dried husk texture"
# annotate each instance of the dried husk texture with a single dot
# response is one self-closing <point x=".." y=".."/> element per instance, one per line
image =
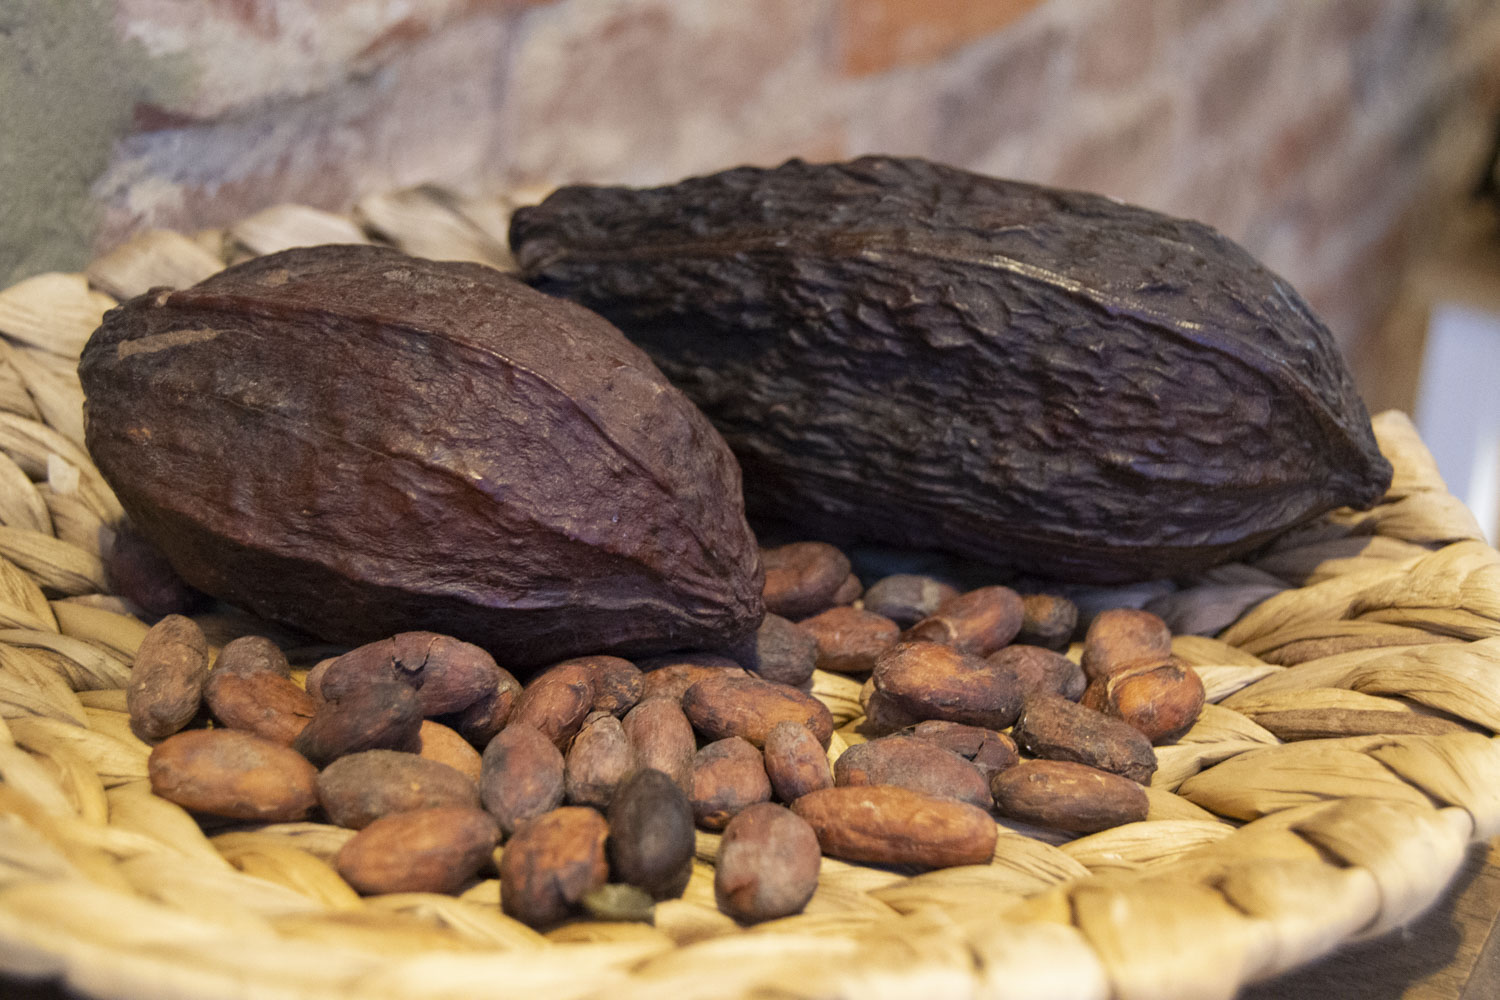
<point x="360" y="443"/>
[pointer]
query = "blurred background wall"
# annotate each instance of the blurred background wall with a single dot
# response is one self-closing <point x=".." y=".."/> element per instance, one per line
<point x="1336" y="139"/>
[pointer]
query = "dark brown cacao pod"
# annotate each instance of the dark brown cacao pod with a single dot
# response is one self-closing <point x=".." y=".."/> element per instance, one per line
<point x="360" y="442"/>
<point x="913" y="354"/>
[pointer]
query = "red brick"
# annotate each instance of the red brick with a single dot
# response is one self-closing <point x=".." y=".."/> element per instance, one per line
<point x="876" y="35"/>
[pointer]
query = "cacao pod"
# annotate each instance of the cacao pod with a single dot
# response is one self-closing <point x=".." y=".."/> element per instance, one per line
<point x="360" y="443"/>
<point x="910" y="353"/>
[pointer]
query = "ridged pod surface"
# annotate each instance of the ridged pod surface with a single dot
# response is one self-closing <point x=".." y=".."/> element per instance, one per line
<point x="361" y="443"/>
<point x="911" y="353"/>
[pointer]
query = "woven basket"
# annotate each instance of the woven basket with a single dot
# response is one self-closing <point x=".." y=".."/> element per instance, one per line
<point x="1328" y="794"/>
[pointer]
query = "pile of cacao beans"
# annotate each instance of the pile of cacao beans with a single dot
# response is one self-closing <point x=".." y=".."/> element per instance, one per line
<point x="595" y="773"/>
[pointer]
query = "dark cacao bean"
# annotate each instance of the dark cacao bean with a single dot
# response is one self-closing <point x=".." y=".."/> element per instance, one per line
<point x="782" y="652"/>
<point x="907" y="598"/>
<point x="651" y="838"/>
<point x="1057" y="729"/>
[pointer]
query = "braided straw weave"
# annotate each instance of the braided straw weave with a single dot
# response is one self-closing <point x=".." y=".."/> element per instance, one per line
<point x="1329" y="792"/>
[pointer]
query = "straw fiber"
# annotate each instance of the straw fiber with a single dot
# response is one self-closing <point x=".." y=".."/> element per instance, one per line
<point x="1329" y="792"/>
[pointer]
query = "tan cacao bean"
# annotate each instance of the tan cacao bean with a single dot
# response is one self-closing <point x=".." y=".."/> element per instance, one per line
<point x="883" y="824"/>
<point x="795" y="762"/>
<point x="1048" y="621"/>
<point x="599" y="761"/>
<point x="663" y="740"/>
<point x="1124" y="637"/>
<point x="1161" y="701"/>
<point x="651" y="838"/>
<point x="226" y="773"/>
<point x="750" y="707"/>
<point x="521" y="776"/>
<point x="910" y="762"/>
<point x="767" y="865"/>
<point x="728" y="776"/>
<point x="445" y="746"/>
<point x="802" y="578"/>
<point x="551" y="863"/>
<point x="930" y="680"/>
<point x="426" y="850"/>
<point x="262" y="702"/>
<point x="358" y="789"/>
<point x="1041" y="671"/>
<point x="849" y="639"/>
<point x="166" y="680"/>
<point x="1063" y="795"/>
<point x="382" y="715"/>
<point x="1057" y="729"/>
<point x="671" y="676"/>
<point x="978" y="622"/>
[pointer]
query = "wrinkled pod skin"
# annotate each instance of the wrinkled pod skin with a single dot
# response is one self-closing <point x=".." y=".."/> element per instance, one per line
<point x="358" y="442"/>
<point x="910" y="353"/>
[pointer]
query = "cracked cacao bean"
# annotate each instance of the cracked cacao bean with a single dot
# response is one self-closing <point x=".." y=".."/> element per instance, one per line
<point x="359" y="442"/>
<point x="979" y="621"/>
<point x="1162" y="701"/>
<point x="986" y="749"/>
<point x="670" y="676"/>
<point x="448" y="675"/>
<point x="556" y="702"/>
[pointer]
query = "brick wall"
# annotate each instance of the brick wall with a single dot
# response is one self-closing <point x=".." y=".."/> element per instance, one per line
<point x="1329" y="137"/>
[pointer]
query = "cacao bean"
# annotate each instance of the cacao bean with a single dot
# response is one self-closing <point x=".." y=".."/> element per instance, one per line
<point x="599" y="761"/>
<point x="551" y="863"/>
<point x="359" y="788"/>
<point x="447" y="674"/>
<point x="671" y="676"/>
<point x="252" y="654"/>
<point x="651" y="838"/>
<point x="1042" y="671"/>
<point x="988" y="750"/>
<point x="663" y="740"/>
<point x="262" y="702"/>
<point x="979" y="621"/>
<point x="728" y="775"/>
<point x="1161" y="701"/>
<point x="382" y="715"/>
<point x="1124" y="637"/>
<point x="795" y="762"/>
<point x="1063" y="795"/>
<point x="359" y="442"/>
<point x="436" y="742"/>
<point x="1057" y="729"/>
<point x="767" y="865"/>
<point x="849" y="639"/>
<point x="481" y="721"/>
<point x="886" y="825"/>
<point x="849" y="591"/>
<point x="802" y="578"/>
<point x="556" y="702"/>
<point x="782" y="652"/>
<point x="227" y="773"/>
<point x="907" y="598"/>
<point x="899" y="322"/>
<point x="750" y="707"/>
<point x="617" y="683"/>
<point x="1048" y="621"/>
<point x="521" y="776"/>
<point x="426" y="850"/>
<point x="166" y="680"/>
<point x="914" y="763"/>
<point x="928" y="680"/>
<point x="138" y="572"/>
